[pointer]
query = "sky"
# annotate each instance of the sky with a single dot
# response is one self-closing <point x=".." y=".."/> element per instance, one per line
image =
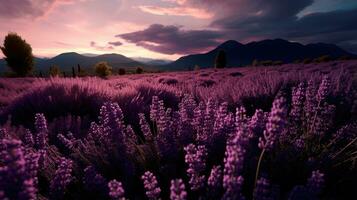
<point x="168" y="29"/>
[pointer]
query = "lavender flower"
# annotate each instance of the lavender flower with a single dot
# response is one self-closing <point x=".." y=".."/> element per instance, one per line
<point x="41" y="131"/>
<point x="154" y="109"/>
<point x="18" y="171"/>
<point x="215" y="178"/>
<point x="29" y="141"/>
<point x="198" y="123"/>
<point x="145" y="127"/>
<point x="298" y="98"/>
<point x="177" y="190"/>
<point x="275" y="125"/>
<point x="116" y="191"/>
<point x="262" y="190"/>
<point x="256" y="123"/>
<point x="40" y="123"/>
<point x="196" y="160"/>
<point x="151" y="186"/>
<point x="323" y="89"/>
<point x="62" y="178"/>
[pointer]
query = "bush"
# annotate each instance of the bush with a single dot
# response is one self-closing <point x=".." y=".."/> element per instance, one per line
<point x="307" y="61"/>
<point x="139" y="70"/>
<point x="55" y="71"/>
<point x="324" y="58"/>
<point x="278" y="62"/>
<point x="221" y="61"/>
<point x="255" y="63"/>
<point x="266" y="63"/>
<point x="121" y="71"/>
<point x="102" y="69"/>
<point x="18" y="54"/>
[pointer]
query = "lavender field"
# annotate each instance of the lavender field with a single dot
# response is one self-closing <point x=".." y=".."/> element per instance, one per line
<point x="276" y="132"/>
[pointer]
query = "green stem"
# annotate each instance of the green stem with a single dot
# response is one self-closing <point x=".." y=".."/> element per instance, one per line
<point x="258" y="168"/>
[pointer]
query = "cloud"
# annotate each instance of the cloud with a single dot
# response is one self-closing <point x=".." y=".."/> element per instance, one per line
<point x="245" y="20"/>
<point x="27" y="8"/>
<point x="173" y="39"/>
<point x="177" y="11"/>
<point x="116" y="44"/>
<point x="99" y="47"/>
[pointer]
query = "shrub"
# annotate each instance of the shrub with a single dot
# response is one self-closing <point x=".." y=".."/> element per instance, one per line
<point x="55" y="71"/>
<point x="121" y="71"/>
<point x="324" y="58"/>
<point x="255" y="63"/>
<point x="307" y="61"/>
<point x="18" y="54"/>
<point x="102" y="69"/>
<point x="139" y="70"/>
<point x="266" y="62"/>
<point x="278" y="62"/>
<point x="221" y="61"/>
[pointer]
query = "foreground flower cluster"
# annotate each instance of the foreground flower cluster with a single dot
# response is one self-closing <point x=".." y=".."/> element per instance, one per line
<point x="199" y="150"/>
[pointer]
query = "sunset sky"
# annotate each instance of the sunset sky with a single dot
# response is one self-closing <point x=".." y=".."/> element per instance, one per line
<point x="171" y="28"/>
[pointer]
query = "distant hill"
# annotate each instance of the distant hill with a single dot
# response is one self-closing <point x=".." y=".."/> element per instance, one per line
<point x="152" y="62"/>
<point x="68" y="60"/>
<point x="243" y="54"/>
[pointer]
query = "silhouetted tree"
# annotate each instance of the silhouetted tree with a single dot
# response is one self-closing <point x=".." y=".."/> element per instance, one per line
<point x="64" y="74"/>
<point x="41" y="74"/>
<point x="73" y="72"/>
<point x="78" y="69"/>
<point x="18" y="54"/>
<point x="102" y="69"/>
<point x="121" y="71"/>
<point x="221" y="61"/>
<point x="55" y="71"/>
<point x="139" y="70"/>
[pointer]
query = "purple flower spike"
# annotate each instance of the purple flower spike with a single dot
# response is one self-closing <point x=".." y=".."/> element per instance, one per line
<point x="62" y="177"/>
<point x="215" y="178"/>
<point x="196" y="160"/>
<point x="151" y="186"/>
<point x="116" y="191"/>
<point x="275" y="125"/>
<point x="177" y="190"/>
<point x="41" y="130"/>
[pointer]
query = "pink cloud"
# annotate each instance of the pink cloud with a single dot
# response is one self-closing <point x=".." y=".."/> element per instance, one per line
<point x="99" y="47"/>
<point x="177" y="11"/>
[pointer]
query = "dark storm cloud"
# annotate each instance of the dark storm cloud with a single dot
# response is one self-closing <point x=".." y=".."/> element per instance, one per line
<point x="246" y="20"/>
<point x="173" y="39"/>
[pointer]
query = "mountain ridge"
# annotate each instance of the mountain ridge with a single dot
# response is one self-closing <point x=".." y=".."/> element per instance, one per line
<point x="237" y="54"/>
<point x="271" y="49"/>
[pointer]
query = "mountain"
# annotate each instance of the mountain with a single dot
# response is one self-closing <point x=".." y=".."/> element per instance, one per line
<point x="243" y="54"/>
<point x="71" y="59"/>
<point x="68" y="60"/>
